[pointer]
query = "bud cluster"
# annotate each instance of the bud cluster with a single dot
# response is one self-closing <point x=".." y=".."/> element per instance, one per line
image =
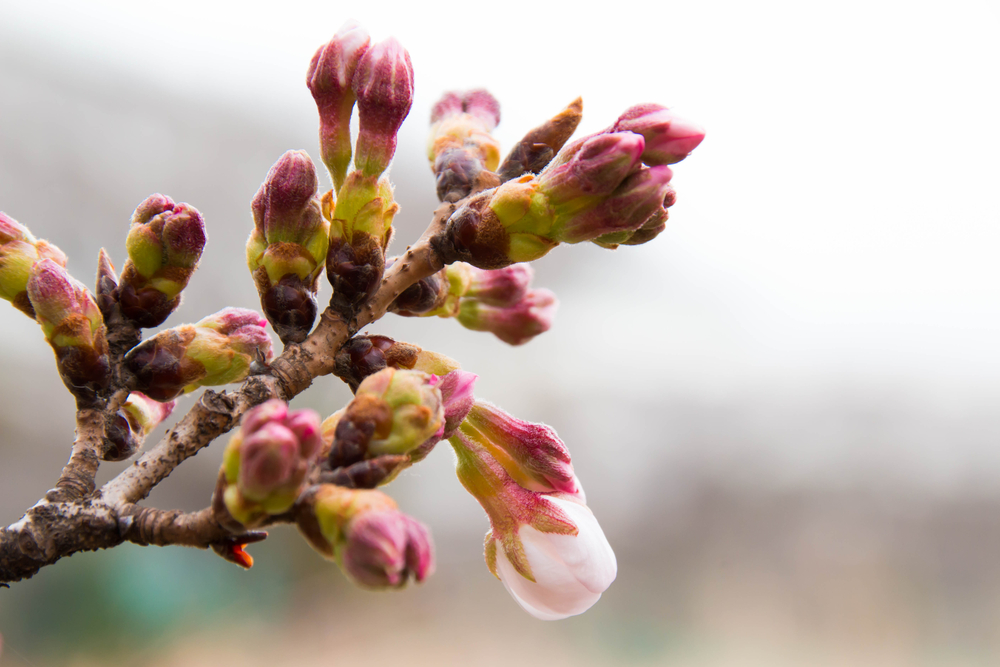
<point x="346" y="71"/>
<point x="265" y="464"/>
<point x="499" y="300"/>
<point x="164" y="246"/>
<point x="608" y="188"/>
<point x="217" y="350"/>
<point x="461" y="149"/>
<point x="19" y="250"/>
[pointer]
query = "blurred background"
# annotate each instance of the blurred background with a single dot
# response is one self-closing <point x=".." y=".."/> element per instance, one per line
<point x="784" y="410"/>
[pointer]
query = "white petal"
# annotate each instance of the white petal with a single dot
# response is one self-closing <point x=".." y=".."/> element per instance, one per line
<point x="570" y="571"/>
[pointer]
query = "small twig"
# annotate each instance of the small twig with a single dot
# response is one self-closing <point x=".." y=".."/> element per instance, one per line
<point x="77" y="479"/>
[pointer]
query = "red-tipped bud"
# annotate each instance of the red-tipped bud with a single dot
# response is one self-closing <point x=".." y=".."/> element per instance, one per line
<point x="501" y="287"/>
<point x="669" y="138"/>
<point x="596" y="169"/>
<point x="164" y="246"/>
<point x="286" y="251"/>
<point x="385" y="548"/>
<point x="265" y="463"/>
<point x="383" y="83"/>
<point x="329" y="79"/>
<point x="515" y="324"/>
<point x="217" y="350"/>
<point x="19" y="250"/>
<point x="456" y="394"/>
<point x="73" y="325"/>
<point x="640" y="196"/>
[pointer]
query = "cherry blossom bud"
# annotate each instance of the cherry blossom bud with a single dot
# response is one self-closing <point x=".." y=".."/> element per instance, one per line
<point x="214" y="351"/>
<point x="515" y="324"/>
<point x="375" y="544"/>
<point x="501" y="287"/>
<point x="73" y="326"/>
<point x="265" y="463"/>
<point x="640" y="196"/>
<point x="436" y="295"/>
<point x="669" y="138"/>
<point x="360" y="231"/>
<point x="461" y="147"/>
<point x="456" y="394"/>
<point x="594" y="171"/>
<point x="540" y="145"/>
<point x="365" y="355"/>
<point x="164" y="246"/>
<point x="416" y="407"/>
<point x="383" y="83"/>
<point x="127" y="429"/>
<point x="568" y="573"/>
<point x="329" y="79"/>
<point x="19" y="250"/>
<point x="547" y="549"/>
<point x="287" y="249"/>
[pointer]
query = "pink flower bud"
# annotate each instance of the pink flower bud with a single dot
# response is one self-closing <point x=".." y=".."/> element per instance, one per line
<point x="144" y="414"/>
<point x="329" y="79"/>
<point x="164" y="246"/>
<point x="597" y="168"/>
<point x="456" y="394"/>
<point x="532" y="454"/>
<point x="384" y="548"/>
<point x="73" y="325"/>
<point x="19" y="250"/>
<point x="284" y="208"/>
<point x="265" y="463"/>
<point x="640" y="196"/>
<point x="383" y="83"/>
<point x="515" y="324"/>
<point x="501" y="287"/>
<point x="669" y="138"/>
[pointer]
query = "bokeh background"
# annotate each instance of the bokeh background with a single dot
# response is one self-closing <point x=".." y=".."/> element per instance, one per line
<point x="784" y="409"/>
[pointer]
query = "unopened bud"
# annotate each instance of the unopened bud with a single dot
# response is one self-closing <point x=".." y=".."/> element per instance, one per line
<point x="287" y="249"/>
<point x="456" y="394"/>
<point x="669" y="138"/>
<point x="73" y="326"/>
<point x="501" y="287"/>
<point x="514" y="324"/>
<point x="595" y="170"/>
<point x="265" y="463"/>
<point x="366" y="355"/>
<point x="127" y="429"/>
<point x="533" y="152"/>
<point x="164" y="246"/>
<point x="640" y="196"/>
<point x="414" y="403"/>
<point x="383" y="83"/>
<point x="214" y="351"/>
<point x="375" y="544"/>
<point x="461" y="147"/>
<point x="19" y="250"/>
<point x="329" y="79"/>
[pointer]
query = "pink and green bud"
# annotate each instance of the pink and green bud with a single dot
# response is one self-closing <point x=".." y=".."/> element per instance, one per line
<point x="669" y="138"/>
<point x="73" y="326"/>
<point x="501" y="287"/>
<point x="595" y="170"/>
<point x="375" y="544"/>
<point x="287" y="249"/>
<point x="265" y="464"/>
<point x="639" y="197"/>
<point x="214" y="351"/>
<point x="383" y="83"/>
<point x="456" y="393"/>
<point x="330" y="76"/>
<point x="19" y="250"/>
<point x="144" y="414"/>
<point x="415" y="406"/>
<point x="164" y="246"/>
<point x="361" y="227"/>
<point x="514" y="324"/>
<point x="461" y="148"/>
<point x="532" y="454"/>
